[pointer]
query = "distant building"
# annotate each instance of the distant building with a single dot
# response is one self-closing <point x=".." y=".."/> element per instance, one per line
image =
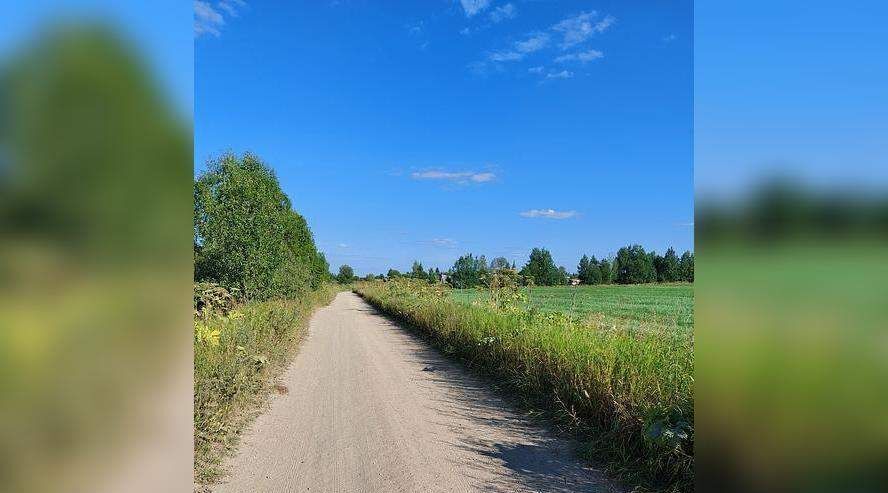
<point x="443" y="278"/>
<point x="574" y="281"/>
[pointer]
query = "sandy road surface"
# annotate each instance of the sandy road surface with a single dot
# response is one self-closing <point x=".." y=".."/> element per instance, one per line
<point x="371" y="408"/>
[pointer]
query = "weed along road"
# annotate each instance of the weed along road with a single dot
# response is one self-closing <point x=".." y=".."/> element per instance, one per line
<point x="371" y="408"/>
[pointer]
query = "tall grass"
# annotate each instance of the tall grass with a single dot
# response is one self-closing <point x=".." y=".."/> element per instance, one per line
<point x="237" y="355"/>
<point x="626" y="387"/>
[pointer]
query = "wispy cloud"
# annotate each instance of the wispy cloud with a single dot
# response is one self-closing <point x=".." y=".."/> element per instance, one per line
<point x="536" y="70"/>
<point x="582" y="56"/>
<point x="209" y="19"/>
<point x="579" y="28"/>
<point x="342" y="245"/>
<point x="564" y="74"/>
<point x="472" y="7"/>
<point x="444" y="242"/>
<point x="415" y="29"/>
<point x="503" y="12"/>
<point x="549" y="214"/>
<point x="461" y="177"/>
<point x="669" y="38"/>
<point x="232" y="6"/>
<point x="520" y="49"/>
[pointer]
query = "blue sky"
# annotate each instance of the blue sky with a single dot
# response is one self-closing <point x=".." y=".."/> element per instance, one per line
<point x="425" y="130"/>
<point x="791" y="90"/>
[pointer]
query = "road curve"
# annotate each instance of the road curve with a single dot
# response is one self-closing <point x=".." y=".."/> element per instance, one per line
<point x="371" y="408"/>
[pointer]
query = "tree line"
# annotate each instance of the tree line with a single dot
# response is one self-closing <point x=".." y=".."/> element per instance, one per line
<point x="631" y="265"/>
<point x="247" y="237"/>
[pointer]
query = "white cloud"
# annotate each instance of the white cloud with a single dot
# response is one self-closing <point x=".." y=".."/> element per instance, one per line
<point x="472" y="7"/>
<point x="461" y="177"/>
<point x="232" y="6"/>
<point x="564" y="74"/>
<point x="582" y="56"/>
<point x="503" y="12"/>
<point x="444" y="242"/>
<point x="506" y="56"/>
<point x="533" y="43"/>
<point x="536" y="70"/>
<point x="342" y="245"/>
<point x="209" y="19"/>
<point x="549" y="214"/>
<point x="581" y="27"/>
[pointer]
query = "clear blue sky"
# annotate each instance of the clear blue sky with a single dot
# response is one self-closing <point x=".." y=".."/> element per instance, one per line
<point x="424" y="130"/>
<point x="793" y="89"/>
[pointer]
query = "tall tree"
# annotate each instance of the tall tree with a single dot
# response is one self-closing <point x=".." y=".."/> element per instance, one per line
<point x="393" y="274"/>
<point x="499" y="263"/>
<point x="589" y="270"/>
<point x="686" y="267"/>
<point x="607" y="271"/>
<point x="542" y="268"/>
<point x="417" y="271"/>
<point x="468" y="271"/>
<point x="634" y="266"/>
<point x="583" y="270"/>
<point x="247" y="234"/>
<point x="670" y="266"/>
<point x="346" y="274"/>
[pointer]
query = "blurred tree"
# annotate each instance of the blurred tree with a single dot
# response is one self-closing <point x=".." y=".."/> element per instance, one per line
<point x="499" y="263"/>
<point x="346" y="274"/>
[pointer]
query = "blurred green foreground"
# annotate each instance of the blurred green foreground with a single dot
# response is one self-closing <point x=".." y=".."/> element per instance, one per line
<point x="95" y="274"/>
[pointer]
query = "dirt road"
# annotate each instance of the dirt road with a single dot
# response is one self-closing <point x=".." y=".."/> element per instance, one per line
<point x="371" y="408"/>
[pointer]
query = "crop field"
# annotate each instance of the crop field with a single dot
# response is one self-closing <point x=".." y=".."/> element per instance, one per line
<point x="660" y="304"/>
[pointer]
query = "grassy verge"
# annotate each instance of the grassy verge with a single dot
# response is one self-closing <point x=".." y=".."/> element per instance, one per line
<point x="236" y="358"/>
<point x="625" y="387"/>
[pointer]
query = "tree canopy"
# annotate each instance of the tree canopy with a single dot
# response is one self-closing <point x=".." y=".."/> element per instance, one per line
<point x="468" y="271"/>
<point x="247" y="235"/>
<point x="542" y="268"/>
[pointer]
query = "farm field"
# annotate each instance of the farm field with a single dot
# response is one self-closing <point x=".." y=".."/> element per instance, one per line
<point x="661" y="304"/>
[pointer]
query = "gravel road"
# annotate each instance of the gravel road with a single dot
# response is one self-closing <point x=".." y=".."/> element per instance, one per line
<point x="371" y="408"/>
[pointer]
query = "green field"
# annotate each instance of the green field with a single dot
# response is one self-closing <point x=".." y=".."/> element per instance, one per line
<point x="663" y="304"/>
